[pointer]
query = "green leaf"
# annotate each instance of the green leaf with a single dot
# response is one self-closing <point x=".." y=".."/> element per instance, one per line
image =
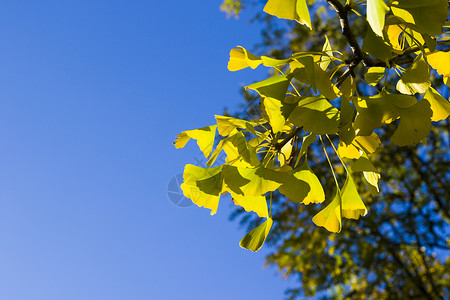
<point x="227" y="124"/>
<point x="374" y="75"/>
<point x="252" y="181"/>
<point x="416" y="78"/>
<point x="352" y="205"/>
<point x="377" y="110"/>
<point x="303" y="186"/>
<point x="429" y="15"/>
<point x="376" y="11"/>
<point x="376" y="46"/>
<point x="273" y="87"/>
<point x="307" y="71"/>
<point x="440" y="61"/>
<point x="256" y="238"/>
<point x="238" y="152"/>
<point x="415" y="124"/>
<point x="330" y="217"/>
<point x="289" y="9"/>
<point x="273" y="108"/>
<point x="326" y="59"/>
<point x="257" y="204"/>
<point x="205" y="138"/>
<point x="316" y="115"/>
<point x="307" y="141"/>
<point x="371" y="175"/>
<point x="438" y="104"/>
<point x="203" y="186"/>
<point x="346" y="131"/>
<point x="368" y="144"/>
<point x="240" y="59"/>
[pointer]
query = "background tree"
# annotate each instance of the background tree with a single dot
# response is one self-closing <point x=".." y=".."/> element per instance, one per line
<point x="400" y="249"/>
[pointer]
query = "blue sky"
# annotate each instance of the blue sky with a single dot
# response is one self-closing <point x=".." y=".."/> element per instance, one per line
<point x="92" y="95"/>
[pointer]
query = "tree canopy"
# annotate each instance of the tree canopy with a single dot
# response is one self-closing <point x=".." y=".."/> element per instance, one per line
<point x="334" y="116"/>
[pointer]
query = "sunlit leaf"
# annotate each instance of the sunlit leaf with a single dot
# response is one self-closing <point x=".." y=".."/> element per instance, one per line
<point x="227" y="124"/>
<point x="316" y="114"/>
<point x="289" y="9"/>
<point x="427" y="15"/>
<point x="326" y="59"/>
<point x="374" y="75"/>
<point x="415" y="124"/>
<point x="240" y="59"/>
<point x="303" y="186"/>
<point x="376" y="11"/>
<point x="330" y="217"/>
<point x="257" y="204"/>
<point x="377" y="110"/>
<point x="368" y="144"/>
<point x="393" y="33"/>
<point x="307" y="71"/>
<point x="238" y="152"/>
<point x="352" y="205"/>
<point x="416" y="78"/>
<point x="273" y="87"/>
<point x="252" y="181"/>
<point x="372" y="179"/>
<point x="256" y="238"/>
<point x="203" y="186"/>
<point x="440" y="61"/>
<point x="438" y="104"/>
<point x="205" y="138"/>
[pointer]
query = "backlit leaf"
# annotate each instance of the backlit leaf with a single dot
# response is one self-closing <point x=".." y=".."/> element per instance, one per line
<point x="227" y="124"/>
<point x="352" y="205"/>
<point x="330" y="217"/>
<point x="416" y="78"/>
<point x="289" y="9"/>
<point x="203" y="186"/>
<point x="440" y="61"/>
<point x="205" y="138"/>
<point x="303" y="186"/>
<point x="240" y="59"/>
<point x="415" y="124"/>
<point x="374" y="75"/>
<point x="376" y="11"/>
<point x="317" y="115"/>
<point x="438" y="104"/>
<point x="428" y="15"/>
<point x="256" y="238"/>
<point x="252" y="181"/>
<point x="257" y="204"/>
<point x="274" y="87"/>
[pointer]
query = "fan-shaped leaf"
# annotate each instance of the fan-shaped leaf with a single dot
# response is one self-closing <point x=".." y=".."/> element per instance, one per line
<point x="330" y="217"/>
<point x="289" y="9"/>
<point x="203" y="186"/>
<point x="256" y="238"/>
<point x="205" y="138"/>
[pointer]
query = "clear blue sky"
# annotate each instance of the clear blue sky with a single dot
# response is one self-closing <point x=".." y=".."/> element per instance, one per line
<point x="92" y="94"/>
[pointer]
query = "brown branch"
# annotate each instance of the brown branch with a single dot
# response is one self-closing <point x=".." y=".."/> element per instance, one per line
<point x="293" y="133"/>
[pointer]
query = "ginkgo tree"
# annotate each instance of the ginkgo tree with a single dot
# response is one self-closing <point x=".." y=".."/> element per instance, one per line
<point x="313" y="98"/>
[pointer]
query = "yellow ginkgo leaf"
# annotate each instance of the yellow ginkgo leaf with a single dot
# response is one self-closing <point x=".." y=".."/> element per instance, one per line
<point x="440" y="61"/>
<point x="438" y="104"/>
<point x="205" y="138"/>
<point x="330" y="217"/>
<point x="352" y="205"/>
<point x="289" y="9"/>
<point x="257" y="204"/>
<point x="256" y="238"/>
<point x="376" y="11"/>
<point x="240" y="59"/>
<point x="203" y="186"/>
